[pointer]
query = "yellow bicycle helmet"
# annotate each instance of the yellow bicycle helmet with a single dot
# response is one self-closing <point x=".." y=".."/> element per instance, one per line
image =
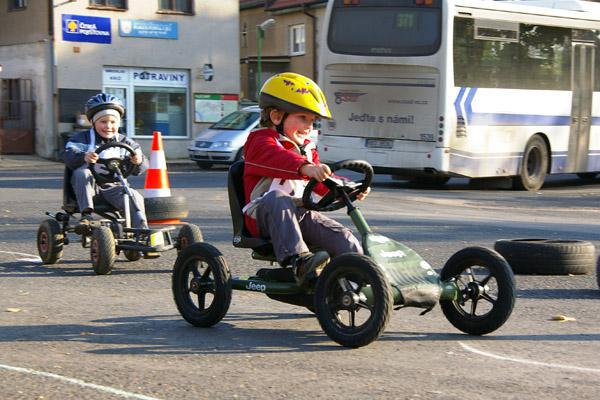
<point x="291" y="92"/>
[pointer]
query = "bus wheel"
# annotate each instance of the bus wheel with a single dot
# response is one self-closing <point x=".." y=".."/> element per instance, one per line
<point x="534" y="165"/>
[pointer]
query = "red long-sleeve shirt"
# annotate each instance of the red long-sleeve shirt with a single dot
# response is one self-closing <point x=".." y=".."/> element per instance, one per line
<point x="267" y="156"/>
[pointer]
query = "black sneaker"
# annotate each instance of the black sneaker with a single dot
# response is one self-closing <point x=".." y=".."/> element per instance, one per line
<point x="308" y="266"/>
<point x="83" y="226"/>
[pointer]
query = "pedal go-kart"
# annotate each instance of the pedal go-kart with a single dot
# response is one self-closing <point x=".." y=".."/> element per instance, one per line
<point x="355" y="294"/>
<point x="112" y="234"/>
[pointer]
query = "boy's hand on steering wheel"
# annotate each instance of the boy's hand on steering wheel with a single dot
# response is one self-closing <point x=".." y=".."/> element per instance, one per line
<point x="91" y="157"/>
<point x="137" y="159"/>
<point x="320" y="172"/>
<point x="361" y="196"/>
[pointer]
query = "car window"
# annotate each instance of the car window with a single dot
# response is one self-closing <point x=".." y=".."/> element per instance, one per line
<point x="237" y="120"/>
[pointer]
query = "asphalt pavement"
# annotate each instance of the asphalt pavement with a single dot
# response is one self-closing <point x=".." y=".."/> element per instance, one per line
<point x="21" y="162"/>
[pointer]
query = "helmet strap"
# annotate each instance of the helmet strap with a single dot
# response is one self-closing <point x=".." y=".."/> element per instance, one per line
<point x="279" y="126"/>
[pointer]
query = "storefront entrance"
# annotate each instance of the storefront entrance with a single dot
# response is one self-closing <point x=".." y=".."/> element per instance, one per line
<point x="156" y="100"/>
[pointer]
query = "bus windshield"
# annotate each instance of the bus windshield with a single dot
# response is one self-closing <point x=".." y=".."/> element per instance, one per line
<point x="384" y="28"/>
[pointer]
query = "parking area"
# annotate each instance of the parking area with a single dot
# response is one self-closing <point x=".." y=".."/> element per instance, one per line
<point x="66" y="333"/>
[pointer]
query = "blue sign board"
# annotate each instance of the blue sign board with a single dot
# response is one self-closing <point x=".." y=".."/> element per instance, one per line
<point x="82" y="28"/>
<point x="148" y="29"/>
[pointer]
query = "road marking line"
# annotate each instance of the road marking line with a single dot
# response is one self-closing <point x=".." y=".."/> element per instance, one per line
<point x="79" y="382"/>
<point x="530" y="362"/>
<point x="30" y="257"/>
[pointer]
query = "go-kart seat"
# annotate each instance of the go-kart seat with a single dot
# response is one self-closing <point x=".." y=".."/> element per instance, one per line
<point x="241" y="236"/>
<point x="101" y="206"/>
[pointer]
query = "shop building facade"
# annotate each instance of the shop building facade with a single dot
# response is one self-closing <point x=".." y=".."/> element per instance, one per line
<point x="173" y="63"/>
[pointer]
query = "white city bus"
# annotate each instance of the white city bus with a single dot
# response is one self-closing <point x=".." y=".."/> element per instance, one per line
<point x="430" y="89"/>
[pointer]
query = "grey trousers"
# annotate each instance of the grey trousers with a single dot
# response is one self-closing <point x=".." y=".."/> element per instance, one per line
<point x="292" y="229"/>
<point x="85" y="188"/>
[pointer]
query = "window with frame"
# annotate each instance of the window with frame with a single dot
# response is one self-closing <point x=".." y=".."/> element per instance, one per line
<point x="297" y="40"/>
<point x="538" y="58"/>
<point x="245" y="35"/>
<point x="14" y="5"/>
<point x="113" y="4"/>
<point x="179" y="6"/>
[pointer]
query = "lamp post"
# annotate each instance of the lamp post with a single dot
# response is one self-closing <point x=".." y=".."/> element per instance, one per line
<point x="260" y="35"/>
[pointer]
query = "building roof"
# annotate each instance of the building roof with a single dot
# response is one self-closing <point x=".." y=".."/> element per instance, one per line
<point x="251" y="4"/>
<point x="273" y="5"/>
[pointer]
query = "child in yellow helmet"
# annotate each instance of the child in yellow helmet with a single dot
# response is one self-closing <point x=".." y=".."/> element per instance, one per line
<point x="279" y="161"/>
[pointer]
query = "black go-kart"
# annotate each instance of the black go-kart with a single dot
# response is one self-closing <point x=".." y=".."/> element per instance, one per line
<point x="355" y="294"/>
<point x="112" y="234"/>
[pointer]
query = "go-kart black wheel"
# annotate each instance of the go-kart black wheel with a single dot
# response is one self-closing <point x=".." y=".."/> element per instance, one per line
<point x="353" y="300"/>
<point x="188" y="234"/>
<point x="486" y="290"/>
<point x="50" y="240"/>
<point x="332" y="200"/>
<point x="111" y="165"/>
<point x="201" y="285"/>
<point x="102" y="250"/>
<point x="132" y="255"/>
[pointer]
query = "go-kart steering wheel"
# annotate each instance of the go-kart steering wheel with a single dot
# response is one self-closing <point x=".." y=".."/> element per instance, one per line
<point x="332" y="200"/>
<point x="112" y="165"/>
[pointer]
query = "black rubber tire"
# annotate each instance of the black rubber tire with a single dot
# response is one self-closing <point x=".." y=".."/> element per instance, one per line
<point x="165" y="208"/>
<point x="188" y="234"/>
<point x="329" y="297"/>
<point x="102" y="250"/>
<point x="203" y="261"/>
<point x="497" y="289"/>
<point x="50" y="241"/>
<point x="587" y="175"/>
<point x="534" y="165"/>
<point x="548" y="257"/>
<point x="239" y="155"/>
<point x="204" y="164"/>
<point x="132" y="255"/>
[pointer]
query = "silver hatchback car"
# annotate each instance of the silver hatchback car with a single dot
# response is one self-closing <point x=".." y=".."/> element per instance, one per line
<point x="222" y="142"/>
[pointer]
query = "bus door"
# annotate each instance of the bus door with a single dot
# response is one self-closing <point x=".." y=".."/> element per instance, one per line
<point x="582" y="83"/>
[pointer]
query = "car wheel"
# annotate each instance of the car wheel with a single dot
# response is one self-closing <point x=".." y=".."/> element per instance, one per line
<point x="534" y="165"/>
<point x="204" y="164"/>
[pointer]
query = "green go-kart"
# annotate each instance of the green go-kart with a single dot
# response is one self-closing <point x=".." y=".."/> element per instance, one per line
<point x="355" y="294"/>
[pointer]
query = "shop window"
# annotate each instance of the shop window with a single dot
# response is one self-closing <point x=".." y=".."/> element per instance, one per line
<point x="14" y="5"/>
<point x="178" y="6"/>
<point x="160" y="109"/>
<point x="112" y="4"/>
<point x="297" y="42"/>
<point x="71" y="103"/>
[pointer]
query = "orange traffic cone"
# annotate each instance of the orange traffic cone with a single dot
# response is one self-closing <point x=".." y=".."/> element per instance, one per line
<point x="157" y="192"/>
<point x="157" y="180"/>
